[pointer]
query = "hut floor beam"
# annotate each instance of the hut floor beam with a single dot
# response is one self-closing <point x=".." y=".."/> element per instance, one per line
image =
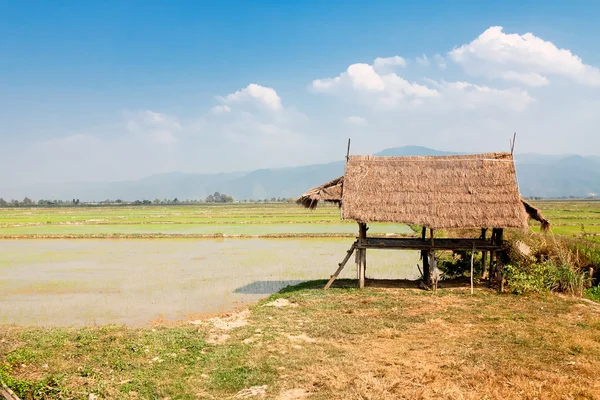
<point x="418" y="244"/>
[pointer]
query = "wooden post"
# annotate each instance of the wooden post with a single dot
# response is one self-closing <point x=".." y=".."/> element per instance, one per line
<point x="472" y="261"/>
<point x="425" y="258"/>
<point x="484" y="256"/>
<point x="499" y="236"/>
<point x="491" y="269"/>
<point x="361" y="270"/>
<point x="357" y="259"/>
<point x="431" y="280"/>
<point x="500" y="260"/>
<point x="483" y="253"/>
<point x="362" y="259"/>
<point x="433" y="277"/>
<point x="426" y="268"/>
<point x="500" y="270"/>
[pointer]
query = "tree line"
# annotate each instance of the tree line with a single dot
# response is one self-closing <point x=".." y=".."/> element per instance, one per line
<point x="216" y="197"/>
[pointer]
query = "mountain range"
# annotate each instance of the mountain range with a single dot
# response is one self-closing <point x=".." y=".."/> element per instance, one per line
<point x="539" y="175"/>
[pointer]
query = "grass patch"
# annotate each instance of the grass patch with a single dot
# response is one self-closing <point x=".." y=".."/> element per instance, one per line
<point x="343" y="343"/>
<point x="593" y="293"/>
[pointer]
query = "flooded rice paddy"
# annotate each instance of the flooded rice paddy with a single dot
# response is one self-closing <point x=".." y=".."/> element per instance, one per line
<point x="134" y="282"/>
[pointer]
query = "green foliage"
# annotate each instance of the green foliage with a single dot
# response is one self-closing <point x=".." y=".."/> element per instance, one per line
<point x="593" y="293"/>
<point x="545" y="277"/>
<point x="533" y="278"/>
<point x="219" y="198"/>
<point x="459" y="264"/>
<point x="567" y="279"/>
<point x="47" y="388"/>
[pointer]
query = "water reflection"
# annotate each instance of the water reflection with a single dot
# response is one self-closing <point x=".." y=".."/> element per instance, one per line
<point x="265" y="287"/>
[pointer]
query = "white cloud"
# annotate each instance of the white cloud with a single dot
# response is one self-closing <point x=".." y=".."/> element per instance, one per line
<point x="526" y="59"/>
<point x="525" y="78"/>
<point x="264" y="96"/>
<point x="356" y="120"/>
<point x="382" y="63"/>
<point x="364" y="77"/>
<point x="471" y="96"/>
<point x="373" y="87"/>
<point x="440" y="61"/>
<point x="222" y="109"/>
<point x="159" y="127"/>
<point x="423" y="60"/>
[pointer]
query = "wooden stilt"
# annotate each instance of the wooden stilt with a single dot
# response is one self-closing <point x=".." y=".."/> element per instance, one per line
<point x="362" y="258"/>
<point x="483" y="253"/>
<point x="434" y="276"/>
<point x="341" y="266"/>
<point x="426" y="267"/>
<point x="500" y="237"/>
<point x="361" y="282"/>
<point x="357" y="259"/>
<point x="484" y="256"/>
<point x="472" y="262"/>
<point x="425" y="258"/>
<point x="500" y="260"/>
<point x="365" y="263"/>
<point x="492" y="269"/>
<point x="500" y="271"/>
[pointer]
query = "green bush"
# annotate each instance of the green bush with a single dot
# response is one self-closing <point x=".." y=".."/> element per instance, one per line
<point x="459" y="264"/>
<point x="593" y="293"/>
<point x="567" y="279"/>
<point x="532" y="278"/>
<point x="545" y="277"/>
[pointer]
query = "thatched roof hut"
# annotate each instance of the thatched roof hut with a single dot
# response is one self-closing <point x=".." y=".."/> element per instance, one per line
<point x="439" y="192"/>
<point x="330" y="191"/>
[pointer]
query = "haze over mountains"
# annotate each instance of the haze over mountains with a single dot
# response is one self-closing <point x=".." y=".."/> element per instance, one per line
<point x="539" y="175"/>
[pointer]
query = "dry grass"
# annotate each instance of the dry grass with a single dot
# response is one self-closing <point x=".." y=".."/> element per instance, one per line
<point x="407" y="344"/>
<point x="341" y="344"/>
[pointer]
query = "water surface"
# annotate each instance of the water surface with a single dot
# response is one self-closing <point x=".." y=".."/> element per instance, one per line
<point x="83" y="282"/>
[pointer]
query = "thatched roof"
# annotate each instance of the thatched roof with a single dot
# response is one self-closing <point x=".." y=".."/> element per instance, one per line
<point x="330" y="191"/>
<point x="465" y="191"/>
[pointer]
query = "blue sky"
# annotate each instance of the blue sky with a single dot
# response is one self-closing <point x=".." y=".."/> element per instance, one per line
<point x="123" y="89"/>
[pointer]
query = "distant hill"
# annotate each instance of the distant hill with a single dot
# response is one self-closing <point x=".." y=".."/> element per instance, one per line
<point x="538" y="174"/>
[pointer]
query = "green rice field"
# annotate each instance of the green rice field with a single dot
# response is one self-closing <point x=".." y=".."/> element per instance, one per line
<point x="194" y="221"/>
<point x="572" y="218"/>
<point x="579" y="218"/>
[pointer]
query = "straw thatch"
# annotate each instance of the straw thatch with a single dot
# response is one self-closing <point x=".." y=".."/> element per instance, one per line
<point x="535" y="214"/>
<point x="465" y="191"/>
<point x="330" y="191"/>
